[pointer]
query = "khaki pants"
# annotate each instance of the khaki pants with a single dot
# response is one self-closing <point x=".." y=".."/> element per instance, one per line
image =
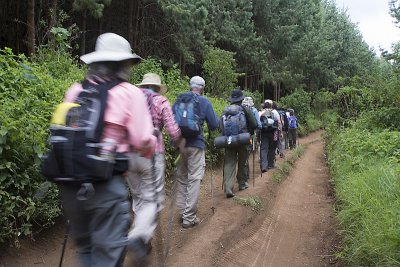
<point x="190" y="172"/>
<point x="146" y="182"/>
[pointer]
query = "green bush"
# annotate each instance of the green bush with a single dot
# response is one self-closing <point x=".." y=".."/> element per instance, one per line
<point x="300" y="101"/>
<point x="28" y="93"/>
<point x="219" y="72"/>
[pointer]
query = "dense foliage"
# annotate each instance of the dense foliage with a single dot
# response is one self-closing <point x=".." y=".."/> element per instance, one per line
<point x="363" y="145"/>
<point x="29" y="92"/>
<point x="278" y="45"/>
<point x="306" y="54"/>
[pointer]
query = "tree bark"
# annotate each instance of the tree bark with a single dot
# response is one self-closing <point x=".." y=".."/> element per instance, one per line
<point x="130" y="22"/>
<point x="30" y="23"/>
<point x="83" y="40"/>
<point x="53" y="19"/>
<point x="54" y="11"/>
<point x="279" y="91"/>
<point x="137" y="25"/>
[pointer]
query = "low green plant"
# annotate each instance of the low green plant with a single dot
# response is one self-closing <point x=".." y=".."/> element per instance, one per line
<point x="364" y="165"/>
<point x="254" y="202"/>
<point x="284" y="169"/>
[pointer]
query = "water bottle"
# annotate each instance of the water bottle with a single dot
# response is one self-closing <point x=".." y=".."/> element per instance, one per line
<point x="108" y="149"/>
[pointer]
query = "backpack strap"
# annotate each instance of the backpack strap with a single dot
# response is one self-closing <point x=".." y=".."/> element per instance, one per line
<point x="99" y="91"/>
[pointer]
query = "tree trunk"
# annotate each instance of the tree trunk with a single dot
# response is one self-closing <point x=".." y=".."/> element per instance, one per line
<point x="137" y="25"/>
<point x="53" y="19"/>
<point x="279" y="91"/>
<point x="130" y="22"/>
<point x="17" y="31"/>
<point x="30" y="23"/>
<point x="83" y="40"/>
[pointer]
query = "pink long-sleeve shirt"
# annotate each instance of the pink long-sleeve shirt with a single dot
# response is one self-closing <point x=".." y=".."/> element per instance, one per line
<point x="127" y="119"/>
<point x="164" y="117"/>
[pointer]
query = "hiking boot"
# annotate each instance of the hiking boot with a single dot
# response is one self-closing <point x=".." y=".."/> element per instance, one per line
<point x="188" y="225"/>
<point x="243" y="186"/>
<point x="264" y="170"/>
<point x="230" y="194"/>
<point x="141" y="250"/>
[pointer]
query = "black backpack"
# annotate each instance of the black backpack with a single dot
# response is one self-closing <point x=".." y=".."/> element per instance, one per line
<point x="284" y="117"/>
<point x="75" y="154"/>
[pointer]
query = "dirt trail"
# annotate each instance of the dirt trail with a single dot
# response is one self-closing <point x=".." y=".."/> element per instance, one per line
<point x="296" y="226"/>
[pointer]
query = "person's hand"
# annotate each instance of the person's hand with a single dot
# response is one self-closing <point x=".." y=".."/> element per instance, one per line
<point x="181" y="144"/>
<point x="147" y="149"/>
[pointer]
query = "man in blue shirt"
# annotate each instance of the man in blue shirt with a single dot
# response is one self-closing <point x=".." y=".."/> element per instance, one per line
<point x="191" y="167"/>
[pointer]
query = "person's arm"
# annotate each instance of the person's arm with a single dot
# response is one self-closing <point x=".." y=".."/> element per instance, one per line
<point x="210" y="116"/>
<point x="168" y="120"/>
<point x="140" y="125"/>
<point x="257" y="116"/>
<point x="278" y="118"/>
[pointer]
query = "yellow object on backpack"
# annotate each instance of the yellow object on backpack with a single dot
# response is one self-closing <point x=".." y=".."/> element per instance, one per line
<point x="60" y="114"/>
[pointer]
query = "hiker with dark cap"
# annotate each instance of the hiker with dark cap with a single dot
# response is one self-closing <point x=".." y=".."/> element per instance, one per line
<point x="146" y="176"/>
<point x="235" y="120"/>
<point x="100" y="219"/>
<point x="191" y="110"/>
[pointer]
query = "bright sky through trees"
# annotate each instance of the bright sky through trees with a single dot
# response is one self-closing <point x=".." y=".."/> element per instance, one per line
<point x="374" y="21"/>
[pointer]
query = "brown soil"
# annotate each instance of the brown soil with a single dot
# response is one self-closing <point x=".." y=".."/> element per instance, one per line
<point x="295" y="226"/>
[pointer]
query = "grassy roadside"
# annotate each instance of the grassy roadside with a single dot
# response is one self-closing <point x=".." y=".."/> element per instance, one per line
<point x="365" y="169"/>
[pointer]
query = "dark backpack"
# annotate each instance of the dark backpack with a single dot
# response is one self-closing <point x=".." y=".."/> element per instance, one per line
<point x="285" y="120"/>
<point x="251" y="119"/>
<point x="233" y="120"/>
<point x="268" y="122"/>
<point x="187" y="114"/>
<point x="292" y="122"/>
<point x="75" y="151"/>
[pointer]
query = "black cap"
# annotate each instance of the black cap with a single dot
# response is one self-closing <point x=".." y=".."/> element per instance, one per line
<point x="236" y="96"/>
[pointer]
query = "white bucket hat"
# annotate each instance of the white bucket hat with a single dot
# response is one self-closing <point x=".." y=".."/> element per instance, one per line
<point x="153" y="79"/>
<point x="111" y="47"/>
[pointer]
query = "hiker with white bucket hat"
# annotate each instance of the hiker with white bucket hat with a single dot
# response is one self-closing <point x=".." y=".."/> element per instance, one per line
<point x="99" y="222"/>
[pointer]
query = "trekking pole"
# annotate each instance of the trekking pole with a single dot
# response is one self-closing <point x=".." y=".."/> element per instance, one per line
<point x="254" y="152"/>
<point x="171" y="211"/>
<point x="260" y="153"/>
<point x="211" y="176"/>
<point x="223" y="174"/>
<point x="64" y="244"/>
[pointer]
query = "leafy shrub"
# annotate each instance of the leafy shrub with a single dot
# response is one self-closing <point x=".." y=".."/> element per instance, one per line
<point x="300" y="101"/>
<point x="29" y="92"/>
<point x="219" y="72"/>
